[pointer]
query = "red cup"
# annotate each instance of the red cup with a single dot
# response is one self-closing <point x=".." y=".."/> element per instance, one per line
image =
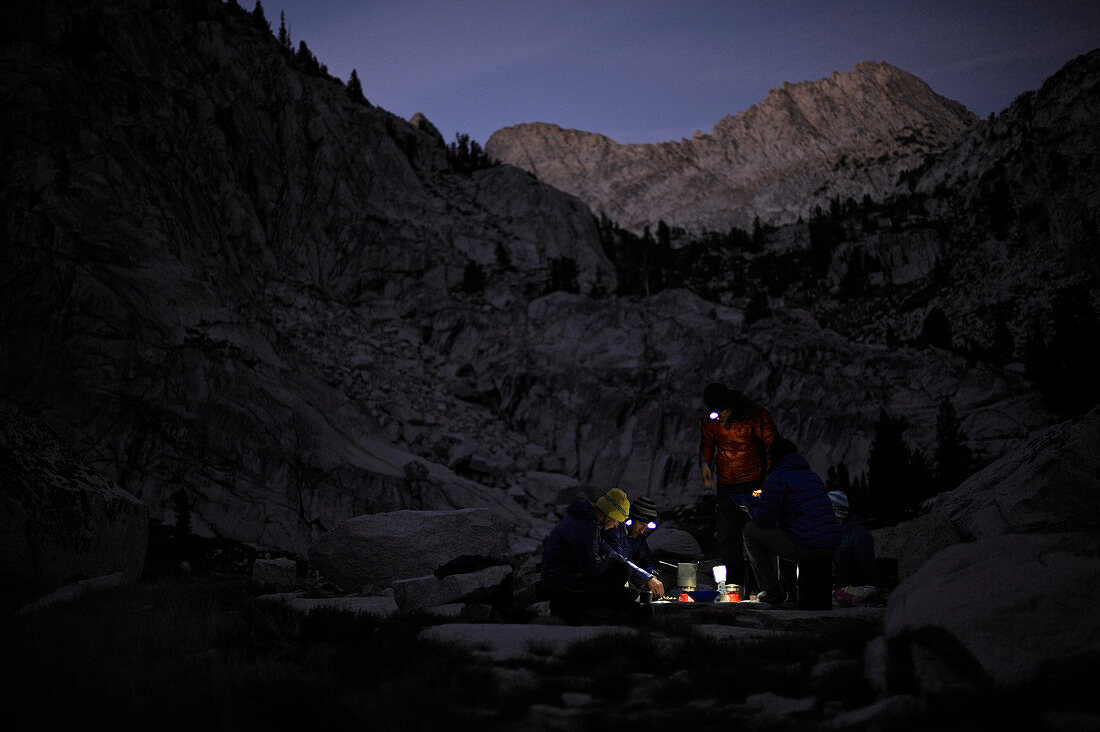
<point x="685" y="597"/>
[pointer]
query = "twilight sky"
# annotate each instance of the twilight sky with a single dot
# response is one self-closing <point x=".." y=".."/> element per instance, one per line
<point x="649" y="71"/>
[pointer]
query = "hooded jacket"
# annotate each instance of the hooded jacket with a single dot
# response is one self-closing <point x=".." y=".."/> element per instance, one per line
<point x="794" y="499"/>
<point x="574" y="551"/>
<point x="854" y="563"/>
<point x="739" y="447"/>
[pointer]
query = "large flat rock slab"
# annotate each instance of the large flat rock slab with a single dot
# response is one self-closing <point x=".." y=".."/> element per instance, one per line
<point x="379" y="548"/>
<point x="508" y="642"/>
<point x="375" y="606"/>
<point x="1002" y="611"/>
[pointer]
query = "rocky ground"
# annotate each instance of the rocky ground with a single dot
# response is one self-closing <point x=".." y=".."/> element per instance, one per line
<point x="215" y="638"/>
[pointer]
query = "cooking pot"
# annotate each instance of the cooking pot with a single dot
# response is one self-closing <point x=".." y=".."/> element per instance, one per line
<point x="686" y="575"/>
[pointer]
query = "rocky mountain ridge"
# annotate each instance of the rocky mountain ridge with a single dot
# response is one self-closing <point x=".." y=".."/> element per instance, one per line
<point x="231" y="287"/>
<point x="848" y="135"/>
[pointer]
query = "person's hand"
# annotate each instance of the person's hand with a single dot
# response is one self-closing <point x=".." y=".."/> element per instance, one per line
<point x="656" y="588"/>
<point x="708" y="477"/>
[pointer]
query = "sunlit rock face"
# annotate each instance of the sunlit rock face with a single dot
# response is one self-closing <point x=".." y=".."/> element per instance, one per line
<point x="844" y="136"/>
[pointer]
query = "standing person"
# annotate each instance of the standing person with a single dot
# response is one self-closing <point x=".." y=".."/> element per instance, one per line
<point x="854" y="563"/>
<point x="734" y="435"/>
<point x="582" y="576"/>
<point x="629" y="539"/>
<point x="792" y="519"/>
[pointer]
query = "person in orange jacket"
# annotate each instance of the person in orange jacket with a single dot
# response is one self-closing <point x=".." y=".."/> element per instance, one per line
<point x="735" y="434"/>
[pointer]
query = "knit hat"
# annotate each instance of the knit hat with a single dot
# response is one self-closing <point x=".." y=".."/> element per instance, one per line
<point x="643" y="509"/>
<point x="715" y="396"/>
<point x="840" y="503"/>
<point x="615" y="504"/>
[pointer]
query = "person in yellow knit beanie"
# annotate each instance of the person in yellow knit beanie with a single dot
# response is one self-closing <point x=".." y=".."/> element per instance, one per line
<point x="583" y="577"/>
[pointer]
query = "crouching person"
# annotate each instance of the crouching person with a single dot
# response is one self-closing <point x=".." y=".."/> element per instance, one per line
<point x="582" y="576"/>
<point x="793" y="519"/>
<point x="629" y="539"/>
<point x="854" y="563"/>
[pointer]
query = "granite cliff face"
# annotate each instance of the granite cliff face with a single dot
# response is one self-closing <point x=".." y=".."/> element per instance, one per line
<point x="844" y="136"/>
<point x="228" y="284"/>
<point x="999" y="232"/>
<point x="182" y="203"/>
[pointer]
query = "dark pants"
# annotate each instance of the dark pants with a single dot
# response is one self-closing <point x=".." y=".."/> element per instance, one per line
<point x="766" y="547"/>
<point x="730" y="520"/>
<point x="596" y="599"/>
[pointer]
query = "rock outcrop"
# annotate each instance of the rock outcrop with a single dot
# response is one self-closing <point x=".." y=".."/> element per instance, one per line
<point x="429" y="591"/>
<point x="1000" y="596"/>
<point x="844" y="136"/>
<point x="1011" y="612"/>
<point x="1046" y="484"/>
<point x="182" y="201"/>
<point x="60" y="520"/>
<point x="376" y="549"/>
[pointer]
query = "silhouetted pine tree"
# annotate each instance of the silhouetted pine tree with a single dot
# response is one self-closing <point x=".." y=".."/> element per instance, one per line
<point x="920" y="483"/>
<point x="825" y="233"/>
<point x="622" y="248"/>
<point x="664" y="269"/>
<point x="284" y="33"/>
<point x="954" y="460"/>
<point x="504" y="259"/>
<point x="466" y="155"/>
<point x="936" y="330"/>
<point x="837" y="478"/>
<point x="1004" y="345"/>
<point x="888" y="480"/>
<point x="183" y="513"/>
<point x="1036" y="365"/>
<point x="473" y="278"/>
<point x="757" y="242"/>
<point x="258" y="16"/>
<point x="757" y="308"/>
<point x="563" y="274"/>
<point x="355" y="88"/>
<point x="1066" y="366"/>
<point x="859" y="497"/>
<point x="647" y="252"/>
<point x="855" y="281"/>
<point x="307" y="61"/>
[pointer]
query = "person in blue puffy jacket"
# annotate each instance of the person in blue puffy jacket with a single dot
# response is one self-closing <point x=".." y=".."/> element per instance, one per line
<point x="629" y="537"/>
<point x="792" y="519"/>
<point x="583" y="576"/>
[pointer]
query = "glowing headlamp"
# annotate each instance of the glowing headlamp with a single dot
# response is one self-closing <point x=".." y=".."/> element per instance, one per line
<point x="651" y="525"/>
<point x="714" y="415"/>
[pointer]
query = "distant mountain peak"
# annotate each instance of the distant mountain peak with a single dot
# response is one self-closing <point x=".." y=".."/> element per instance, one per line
<point x="849" y="134"/>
